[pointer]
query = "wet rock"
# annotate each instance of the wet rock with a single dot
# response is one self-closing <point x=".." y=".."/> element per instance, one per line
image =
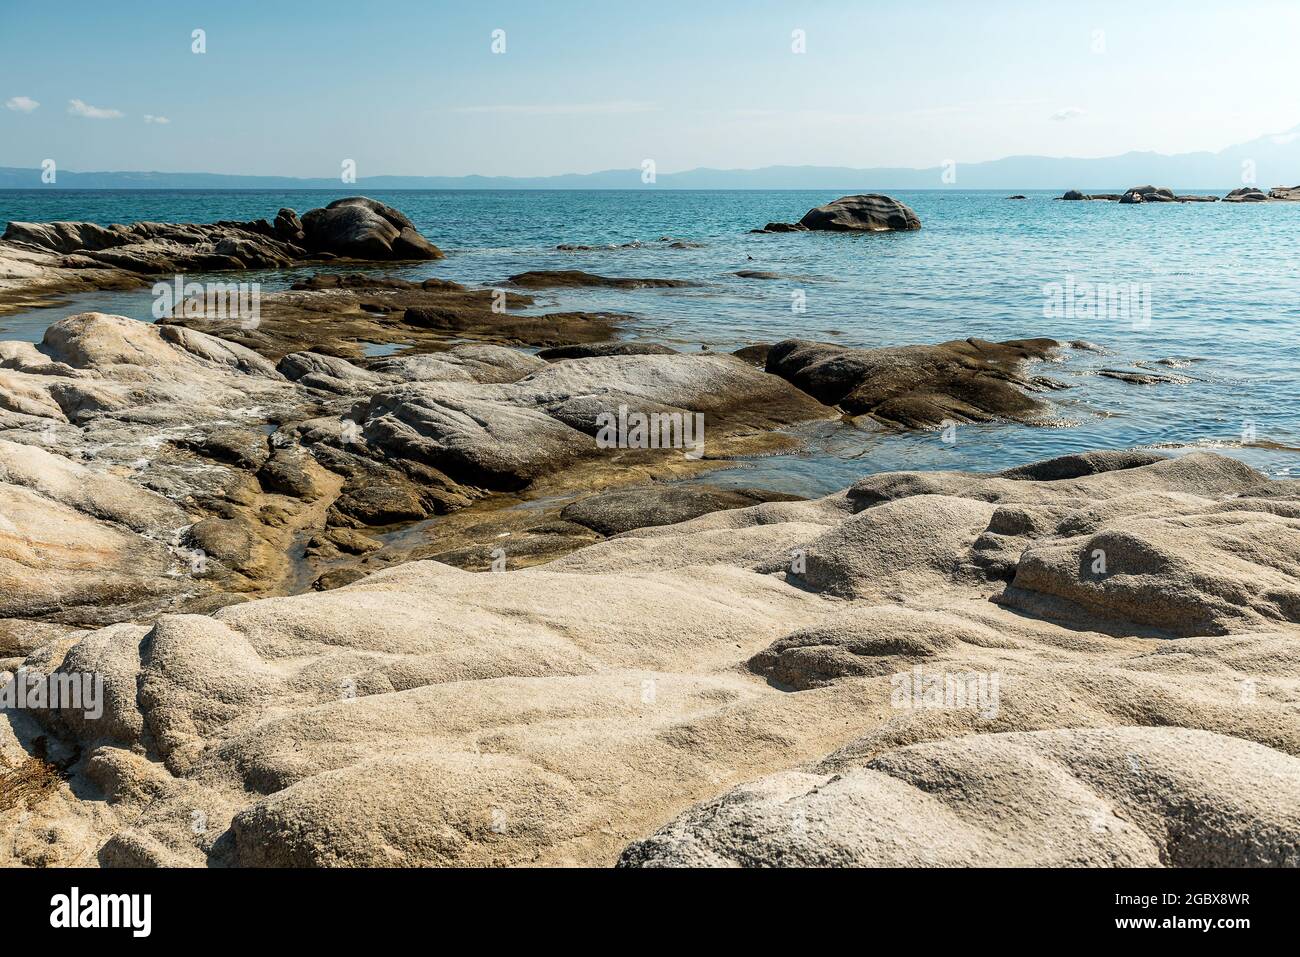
<point x="1142" y="378"/>
<point x="610" y="513"/>
<point x="1082" y="463"/>
<point x="917" y="386"/>
<point x="606" y="349"/>
<point x="573" y="278"/>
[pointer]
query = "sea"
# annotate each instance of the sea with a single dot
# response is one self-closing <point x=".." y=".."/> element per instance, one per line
<point x="1204" y="296"/>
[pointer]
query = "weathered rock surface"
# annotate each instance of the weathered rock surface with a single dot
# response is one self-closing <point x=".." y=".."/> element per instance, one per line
<point x="147" y="468"/>
<point x="917" y="386"/>
<point x="1120" y="797"/>
<point x="869" y="212"/>
<point x="561" y="713"/>
<point x="343" y="314"/>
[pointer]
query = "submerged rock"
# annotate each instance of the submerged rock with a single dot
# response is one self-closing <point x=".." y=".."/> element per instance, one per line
<point x="573" y="278"/>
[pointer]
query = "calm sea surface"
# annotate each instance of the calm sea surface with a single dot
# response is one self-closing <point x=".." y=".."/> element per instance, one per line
<point x="1223" y="283"/>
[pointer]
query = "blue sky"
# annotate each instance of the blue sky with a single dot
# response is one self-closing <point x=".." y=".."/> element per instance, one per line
<point x="414" y="88"/>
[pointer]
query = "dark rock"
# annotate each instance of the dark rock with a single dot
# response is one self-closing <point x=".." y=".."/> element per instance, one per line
<point x="1074" y="194"/>
<point x="573" y="278"/>
<point x="379" y="505"/>
<point x="291" y="471"/>
<point x="246" y="448"/>
<point x="755" y="354"/>
<point x="337" y="578"/>
<point x="610" y="513"/>
<point x="869" y="213"/>
<point x="1082" y="463"/>
<point x="916" y="386"/>
<point x="1149" y="194"/>
<point x="605" y="349"/>
<point x="1247" y="194"/>
<point x="1017" y="196"/>
<point x="288" y="226"/>
<point x="1286" y="193"/>
<point x="361" y="228"/>
<point x="1141" y="378"/>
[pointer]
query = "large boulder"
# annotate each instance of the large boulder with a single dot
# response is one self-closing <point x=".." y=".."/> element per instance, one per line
<point x="362" y="228"/>
<point x="866" y="213"/>
<point x="870" y="212"/>
<point x="1247" y="194"/>
<point x="1149" y="194"/>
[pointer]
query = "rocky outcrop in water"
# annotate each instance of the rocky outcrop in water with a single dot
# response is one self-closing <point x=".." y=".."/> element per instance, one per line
<point x="1247" y="194"/>
<point x="41" y="260"/>
<point x="353" y="228"/>
<point x="574" y="278"/>
<point x="869" y="213"/>
<point x="917" y="386"/>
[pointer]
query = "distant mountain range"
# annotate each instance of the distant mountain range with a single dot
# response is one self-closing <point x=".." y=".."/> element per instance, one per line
<point x="1267" y="161"/>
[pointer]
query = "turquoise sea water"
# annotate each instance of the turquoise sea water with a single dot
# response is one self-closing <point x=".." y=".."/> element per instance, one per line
<point x="1223" y="283"/>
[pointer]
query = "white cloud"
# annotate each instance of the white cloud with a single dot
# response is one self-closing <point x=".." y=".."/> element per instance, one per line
<point x="21" y="104"/>
<point x="150" y="118"/>
<point x="1069" y="113"/>
<point x="559" y="109"/>
<point x="81" y="108"/>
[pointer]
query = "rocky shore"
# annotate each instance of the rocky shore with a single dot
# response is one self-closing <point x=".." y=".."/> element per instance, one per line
<point x="1162" y="194"/>
<point x="436" y="608"/>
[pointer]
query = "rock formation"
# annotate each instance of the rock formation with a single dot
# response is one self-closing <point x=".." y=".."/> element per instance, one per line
<point x="869" y="213"/>
<point x="760" y="677"/>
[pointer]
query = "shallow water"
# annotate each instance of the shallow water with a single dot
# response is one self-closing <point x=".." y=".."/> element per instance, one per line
<point x="1223" y="282"/>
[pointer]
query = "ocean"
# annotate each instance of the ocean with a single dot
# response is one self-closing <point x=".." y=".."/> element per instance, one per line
<point x="1205" y="294"/>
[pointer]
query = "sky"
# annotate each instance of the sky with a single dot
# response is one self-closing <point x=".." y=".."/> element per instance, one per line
<point x="415" y="88"/>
